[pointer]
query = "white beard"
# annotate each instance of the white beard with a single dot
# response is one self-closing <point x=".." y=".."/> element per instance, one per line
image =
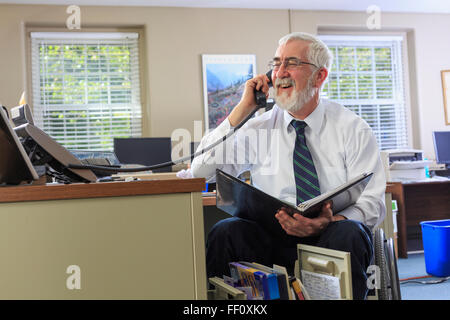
<point x="296" y="100"/>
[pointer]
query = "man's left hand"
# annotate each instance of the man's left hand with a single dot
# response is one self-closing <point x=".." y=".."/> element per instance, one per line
<point x="300" y="226"/>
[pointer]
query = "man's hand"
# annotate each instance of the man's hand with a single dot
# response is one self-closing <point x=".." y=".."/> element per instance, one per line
<point x="300" y="226"/>
<point x="248" y="103"/>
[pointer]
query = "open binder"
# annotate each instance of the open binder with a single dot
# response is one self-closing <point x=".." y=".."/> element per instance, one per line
<point x="243" y="200"/>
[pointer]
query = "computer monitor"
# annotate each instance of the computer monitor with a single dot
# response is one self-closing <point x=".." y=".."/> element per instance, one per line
<point x="144" y="151"/>
<point x="442" y="146"/>
<point x="15" y="166"/>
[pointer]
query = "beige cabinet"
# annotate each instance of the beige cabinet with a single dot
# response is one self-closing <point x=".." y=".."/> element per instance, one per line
<point x="121" y="240"/>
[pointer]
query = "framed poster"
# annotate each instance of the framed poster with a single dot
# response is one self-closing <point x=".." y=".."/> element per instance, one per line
<point x="445" y="76"/>
<point x="224" y="77"/>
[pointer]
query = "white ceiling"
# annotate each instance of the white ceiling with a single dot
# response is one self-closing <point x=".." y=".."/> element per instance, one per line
<point x="425" y="6"/>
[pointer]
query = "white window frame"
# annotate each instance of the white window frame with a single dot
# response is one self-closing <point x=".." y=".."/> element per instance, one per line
<point x="335" y="36"/>
<point x="133" y="108"/>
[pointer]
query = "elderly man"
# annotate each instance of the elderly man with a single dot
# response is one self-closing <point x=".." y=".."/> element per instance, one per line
<point x="318" y="145"/>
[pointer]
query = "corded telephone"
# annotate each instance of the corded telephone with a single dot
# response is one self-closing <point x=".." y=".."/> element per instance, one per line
<point x="260" y="96"/>
<point x="261" y="102"/>
<point x="43" y="150"/>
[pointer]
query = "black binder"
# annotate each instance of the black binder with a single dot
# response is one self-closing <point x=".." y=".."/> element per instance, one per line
<point x="245" y="201"/>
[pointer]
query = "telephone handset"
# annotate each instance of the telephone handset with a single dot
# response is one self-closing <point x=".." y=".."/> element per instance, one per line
<point x="261" y="102"/>
<point x="260" y="96"/>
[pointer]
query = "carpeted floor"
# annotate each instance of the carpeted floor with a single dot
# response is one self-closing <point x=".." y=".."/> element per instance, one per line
<point x="414" y="266"/>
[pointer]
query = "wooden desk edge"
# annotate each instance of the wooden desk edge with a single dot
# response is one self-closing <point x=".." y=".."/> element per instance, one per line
<point x="209" y="201"/>
<point x="98" y="190"/>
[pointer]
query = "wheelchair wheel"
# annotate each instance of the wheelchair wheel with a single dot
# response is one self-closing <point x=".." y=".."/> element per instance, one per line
<point x="389" y="286"/>
<point x="380" y="260"/>
<point x="393" y="271"/>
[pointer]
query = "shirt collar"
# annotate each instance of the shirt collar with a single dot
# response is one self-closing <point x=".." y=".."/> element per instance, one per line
<point x="314" y="120"/>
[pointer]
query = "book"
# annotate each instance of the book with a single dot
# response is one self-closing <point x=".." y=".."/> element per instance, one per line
<point x="246" y="277"/>
<point x="243" y="200"/>
<point x="265" y="283"/>
<point x="299" y="289"/>
<point x="282" y="270"/>
<point x="281" y="276"/>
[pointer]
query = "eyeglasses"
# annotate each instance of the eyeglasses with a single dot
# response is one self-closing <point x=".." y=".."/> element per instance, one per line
<point x="289" y="63"/>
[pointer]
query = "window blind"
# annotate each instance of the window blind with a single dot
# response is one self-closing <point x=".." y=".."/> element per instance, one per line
<point x="367" y="77"/>
<point x="86" y="87"/>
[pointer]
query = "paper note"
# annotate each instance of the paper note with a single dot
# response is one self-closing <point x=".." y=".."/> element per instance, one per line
<point x="321" y="286"/>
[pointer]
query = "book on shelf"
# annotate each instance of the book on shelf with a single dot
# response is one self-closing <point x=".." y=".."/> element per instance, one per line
<point x="243" y="200"/>
<point x="264" y="284"/>
<point x="299" y="289"/>
<point x="281" y="275"/>
<point x="244" y="277"/>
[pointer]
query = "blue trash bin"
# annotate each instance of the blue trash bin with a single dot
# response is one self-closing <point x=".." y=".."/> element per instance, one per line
<point x="436" y="245"/>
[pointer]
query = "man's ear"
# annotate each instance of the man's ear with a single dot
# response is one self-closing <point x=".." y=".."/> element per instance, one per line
<point x="321" y="76"/>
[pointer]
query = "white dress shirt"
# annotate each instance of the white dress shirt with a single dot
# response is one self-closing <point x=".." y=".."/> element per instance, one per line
<point x="341" y="144"/>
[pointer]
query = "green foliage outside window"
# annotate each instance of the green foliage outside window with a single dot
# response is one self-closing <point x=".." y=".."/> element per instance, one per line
<point x="87" y="93"/>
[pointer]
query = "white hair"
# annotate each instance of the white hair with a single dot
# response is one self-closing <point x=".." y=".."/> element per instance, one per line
<point x="318" y="52"/>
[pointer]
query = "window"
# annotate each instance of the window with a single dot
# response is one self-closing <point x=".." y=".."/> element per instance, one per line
<point x="367" y="77"/>
<point x="86" y="88"/>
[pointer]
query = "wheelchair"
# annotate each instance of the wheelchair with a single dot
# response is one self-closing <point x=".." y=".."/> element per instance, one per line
<point x="388" y="286"/>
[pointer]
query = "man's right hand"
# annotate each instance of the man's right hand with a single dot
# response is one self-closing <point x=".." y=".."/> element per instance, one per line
<point x="300" y="226"/>
<point x="248" y="103"/>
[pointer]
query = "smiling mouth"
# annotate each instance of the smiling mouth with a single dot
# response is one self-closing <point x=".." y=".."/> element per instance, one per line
<point x="284" y="83"/>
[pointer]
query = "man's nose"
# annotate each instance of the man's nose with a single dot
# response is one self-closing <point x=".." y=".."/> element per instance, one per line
<point x="282" y="72"/>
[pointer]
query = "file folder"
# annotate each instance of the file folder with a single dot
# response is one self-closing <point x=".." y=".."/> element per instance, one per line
<point x="245" y="201"/>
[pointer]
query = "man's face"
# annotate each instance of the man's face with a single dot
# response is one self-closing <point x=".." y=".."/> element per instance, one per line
<point x="293" y="87"/>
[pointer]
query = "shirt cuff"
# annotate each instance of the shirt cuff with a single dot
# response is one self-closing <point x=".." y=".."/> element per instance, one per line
<point x="200" y="166"/>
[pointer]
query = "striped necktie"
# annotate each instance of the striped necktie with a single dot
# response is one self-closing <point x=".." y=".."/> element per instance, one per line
<point x="306" y="179"/>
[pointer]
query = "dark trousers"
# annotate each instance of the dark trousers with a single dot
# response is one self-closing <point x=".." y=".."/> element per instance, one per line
<point x="236" y="239"/>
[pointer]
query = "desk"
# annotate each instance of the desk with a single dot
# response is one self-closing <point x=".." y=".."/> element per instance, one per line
<point x="416" y="202"/>
<point x="131" y="240"/>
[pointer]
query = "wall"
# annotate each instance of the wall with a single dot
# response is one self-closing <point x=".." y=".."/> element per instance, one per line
<point x="175" y="38"/>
